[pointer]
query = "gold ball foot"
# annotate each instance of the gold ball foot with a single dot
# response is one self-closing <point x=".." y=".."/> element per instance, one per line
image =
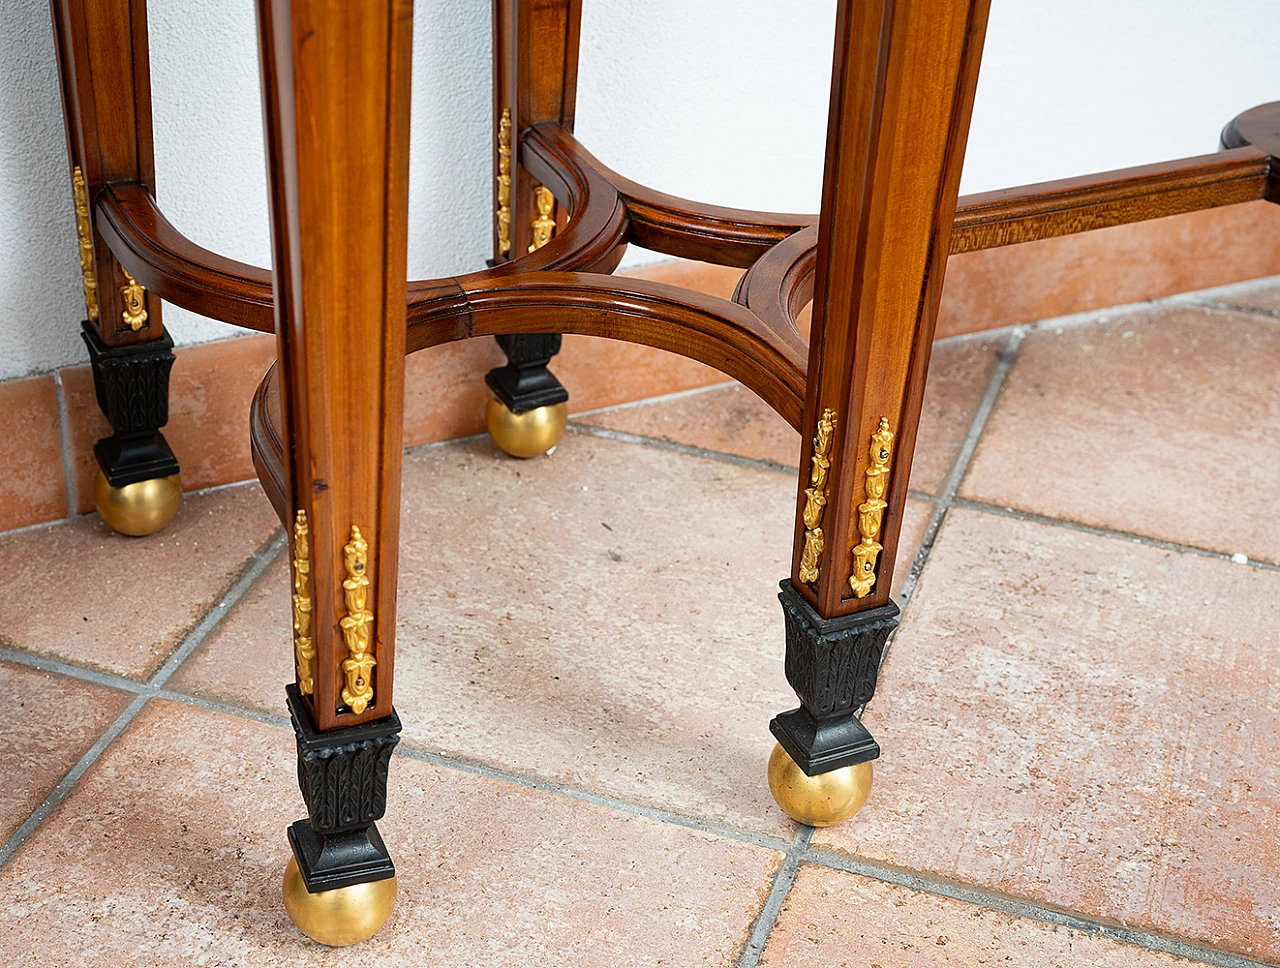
<point x="821" y="800"/>
<point x="525" y="434"/>
<point x="341" y="917"/>
<point x="141" y="508"/>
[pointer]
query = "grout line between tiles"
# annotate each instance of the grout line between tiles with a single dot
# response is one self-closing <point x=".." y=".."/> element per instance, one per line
<point x="1008" y="355"/>
<point x="797" y="852"/>
<point x="64" y="429"/>
<point x="257" y="564"/>
<point x="1101" y="315"/>
<point x="1089" y="316"/>
<point x="589" y="430"/>
<point x="922" y="496"/>
<point x="527" y="781"/>
<point x="597" y="799"/>
<point x="72" y="671"/>
<point x="944" y="503"/>
<point x="77" y="515"/>
<point x="68" y="782"/>
<point x="778" y="891"/>
<point x="1007" y="512"/>
<point x="214" y="488"/>
<point x="42" y="524"/>
<point x="224" y="708"/>
<point x="436" y="444"/>
<point x="1035" y="912"/>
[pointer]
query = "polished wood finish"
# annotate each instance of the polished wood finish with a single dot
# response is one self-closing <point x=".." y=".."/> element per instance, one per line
<point x="535" y="76"/>
<point x="173" y="267"/>
<point x="326" y="420"/>
<point x="336" y="82"/>
<point x="696" y="230"/>
<point x="1113" y="198"/>
<point x="535" y="72"/>
<point x="780" y="284"/>
<point x="1259" y="127"/>
<point x="895" y="146"/>
<point x="607" y="211"/>
<point x="105" y="75"/>
<point x="565" y="285"/>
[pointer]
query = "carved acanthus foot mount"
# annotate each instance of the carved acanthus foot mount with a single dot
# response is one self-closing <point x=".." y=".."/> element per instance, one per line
<point x="343" y="777"/>
<point x="138" y="490"/>
<point x="832" y="663"/>
<point x="132" y="385"/>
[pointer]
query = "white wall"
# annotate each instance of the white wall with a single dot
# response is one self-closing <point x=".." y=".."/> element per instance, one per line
<point x="40" y="309"/>
<point x="723" y="100"/>
<point x="210" y="160"/>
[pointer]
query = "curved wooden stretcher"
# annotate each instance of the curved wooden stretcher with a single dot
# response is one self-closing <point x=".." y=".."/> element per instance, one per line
<point x="325" y="423"/>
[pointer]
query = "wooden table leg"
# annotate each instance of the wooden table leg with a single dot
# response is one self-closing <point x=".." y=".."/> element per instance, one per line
<point x="336" y="78"/>
<point x="105" y="75"/>
<point x="902" y="93"/>
<point x="535" y="55"/>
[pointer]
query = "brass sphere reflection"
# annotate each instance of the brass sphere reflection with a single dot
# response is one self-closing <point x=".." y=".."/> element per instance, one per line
<point x="821" y="800"/>
<point x="525" y="434"/>
<point x="339" y="917"/>
<point x="141" y="508"/>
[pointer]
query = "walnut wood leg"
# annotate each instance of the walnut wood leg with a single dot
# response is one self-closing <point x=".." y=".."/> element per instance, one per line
<point x="535" y="80"/>
<point x="104" y="71"/>
<point x="336" y="98"/>
<point x="902" y="92"/>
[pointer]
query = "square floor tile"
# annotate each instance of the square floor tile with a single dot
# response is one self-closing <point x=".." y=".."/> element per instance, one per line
<point x="99" y="599"/>
<point x="606" y="617"/>
<point x="840" y="920"/>
<point x="727" y="419"/>
<point x="1089" y="722"/>
<point x="1162" y="421"/>
<point x="733" y="420"/>
<point x="171" y="850"/>
<point x="53" y="721"/>
<point x="960" y="371"/>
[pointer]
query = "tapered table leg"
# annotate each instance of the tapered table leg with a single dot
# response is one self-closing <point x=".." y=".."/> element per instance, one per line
<point x="336" y="95"/>
<point x="902" y="91"/>
<point x="535" y="80"/>
<point x="105" y="75"/>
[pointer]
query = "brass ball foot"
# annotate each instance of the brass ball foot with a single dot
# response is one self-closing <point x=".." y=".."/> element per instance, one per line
<point x="525" y="434"/>
<point x="141" y="508"/>
<point x="340" y="917"/>
<point x="821" y="800"/>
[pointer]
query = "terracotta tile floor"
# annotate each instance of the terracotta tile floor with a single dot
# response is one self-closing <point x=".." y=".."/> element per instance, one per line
<point x="1080" y="713"/>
